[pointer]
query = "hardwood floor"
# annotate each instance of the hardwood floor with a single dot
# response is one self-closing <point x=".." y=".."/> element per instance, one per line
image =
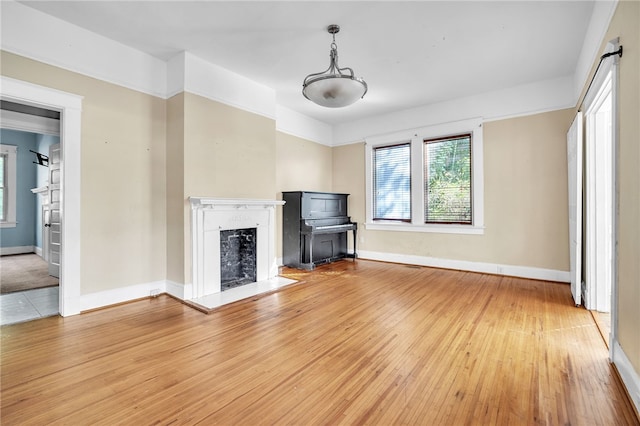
<point x="352" y="343"/>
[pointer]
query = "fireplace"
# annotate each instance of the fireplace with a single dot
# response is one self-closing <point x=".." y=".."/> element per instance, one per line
<point x="215" y="219"/>
<point x="237" y="257"/>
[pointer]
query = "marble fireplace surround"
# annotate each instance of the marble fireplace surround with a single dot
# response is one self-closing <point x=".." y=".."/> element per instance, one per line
<point x="209" y="216"/>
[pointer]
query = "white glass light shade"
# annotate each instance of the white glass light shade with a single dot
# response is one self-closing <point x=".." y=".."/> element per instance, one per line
<point x="335" y="91"/>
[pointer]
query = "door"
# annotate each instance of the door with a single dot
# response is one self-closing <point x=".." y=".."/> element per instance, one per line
<point x="574" y="168"/>
<point x="55" y="218"/>
<point x="45" y="232"/>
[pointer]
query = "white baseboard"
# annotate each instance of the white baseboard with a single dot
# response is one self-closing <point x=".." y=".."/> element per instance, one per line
<point x="181" y="291"/>
<point x="629" y="375"/>
<point x="464" y="265"/>
<point x="16" y="250"/>
<point x="105" y="298"/>
<point x="185" y="291"/>
<point x="38" y="251"/>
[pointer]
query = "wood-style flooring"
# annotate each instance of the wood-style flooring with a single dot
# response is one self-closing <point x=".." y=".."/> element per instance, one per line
<point x="351" y="343"/>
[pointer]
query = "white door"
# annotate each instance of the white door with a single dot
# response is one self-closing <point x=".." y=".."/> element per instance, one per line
<point x="574" y="163"/>
<point x="45" y="232"/>
<point x="54" y="223"/>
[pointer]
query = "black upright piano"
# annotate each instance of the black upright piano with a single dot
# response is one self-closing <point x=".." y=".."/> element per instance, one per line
<point x="314" y="229"/>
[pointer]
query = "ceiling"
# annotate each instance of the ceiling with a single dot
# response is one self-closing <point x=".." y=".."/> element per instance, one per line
<point x="410" y="53"/>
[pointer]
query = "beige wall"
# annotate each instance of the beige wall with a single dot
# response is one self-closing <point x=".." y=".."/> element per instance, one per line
<point x="123" y="222"/>
<point x="175" y="189"/>
<point x="525" y="203"/>
<point x="301" y="165"/>
<point x="227" y="153"/>
<point x="626" y="25"/>
<point x="348" y="178"/>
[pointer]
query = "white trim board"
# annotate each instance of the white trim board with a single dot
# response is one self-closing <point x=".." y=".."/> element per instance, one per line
<point x="299" y="125"/>
<point x="107" y="298"/>
<point x="527" y="99"/>
<point x="5" y="251"/>
<point x="41" y="37"/>
<point x="29" y="123"/>
<point x="181" y="291"/>
<point x="629" y="376"/>
<point x="465" y="265"/>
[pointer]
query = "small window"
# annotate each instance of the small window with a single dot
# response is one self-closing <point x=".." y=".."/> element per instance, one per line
<point x="8" y="186"/>
<point x="392" y="182"/>
<point x="447" y="172"/>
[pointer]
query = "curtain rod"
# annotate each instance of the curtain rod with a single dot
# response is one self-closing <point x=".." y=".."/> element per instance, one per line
<point x="602" y="58"/>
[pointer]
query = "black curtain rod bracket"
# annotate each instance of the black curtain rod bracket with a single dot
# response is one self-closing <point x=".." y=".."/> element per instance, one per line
<point x="602" y="58"/>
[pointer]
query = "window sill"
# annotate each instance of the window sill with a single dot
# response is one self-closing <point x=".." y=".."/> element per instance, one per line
<point x="8" y="224"/>
<point x="442" y="229"/>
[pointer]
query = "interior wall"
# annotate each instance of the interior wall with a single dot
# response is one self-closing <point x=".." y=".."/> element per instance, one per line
<point x="123" y="225"/>
<point x="175" y="189"/>
<point x="626" y="25"/>
<point x="228" y="153"/>
<point x="24" y="233"/>
<point x="301" y="165"/>
<point x="525" y="199"/>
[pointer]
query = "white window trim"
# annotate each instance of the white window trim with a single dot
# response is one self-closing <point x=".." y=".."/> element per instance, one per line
<point x="417" y="137"/>
<point x="11" y="152"/>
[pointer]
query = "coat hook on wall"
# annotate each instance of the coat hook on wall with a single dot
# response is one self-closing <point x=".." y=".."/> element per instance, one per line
<point x="42" y="160"/>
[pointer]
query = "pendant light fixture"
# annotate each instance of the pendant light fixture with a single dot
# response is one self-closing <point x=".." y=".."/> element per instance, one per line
<point x="336" y="87"/>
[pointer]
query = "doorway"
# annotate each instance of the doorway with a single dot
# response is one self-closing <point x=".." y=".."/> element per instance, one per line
<point x="599" y="190"/>
<point x="30" y="285"/>
<point x="600" y="203"/>
<point x="70" y="108"/>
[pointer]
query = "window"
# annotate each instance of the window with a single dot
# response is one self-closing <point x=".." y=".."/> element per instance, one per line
<point x="3" y="190"/>
<point x="8" y="186"/>
<point x="392" y="182"/>
<point x="447" y="172"/>
<point x="427" y="180"/>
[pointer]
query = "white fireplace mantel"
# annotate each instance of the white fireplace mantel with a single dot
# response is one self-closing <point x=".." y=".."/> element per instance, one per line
<point x="209" y="216"/>
<point x="236" y="203"/>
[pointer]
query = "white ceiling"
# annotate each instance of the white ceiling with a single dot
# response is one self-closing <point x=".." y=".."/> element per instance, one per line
<point x="410" y="53"/>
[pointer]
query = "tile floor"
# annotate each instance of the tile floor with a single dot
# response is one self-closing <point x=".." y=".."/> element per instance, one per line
<point x="28" y="305"/>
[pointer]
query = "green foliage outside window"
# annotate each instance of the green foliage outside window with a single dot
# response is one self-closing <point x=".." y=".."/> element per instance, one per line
<point x="448" y="180"/>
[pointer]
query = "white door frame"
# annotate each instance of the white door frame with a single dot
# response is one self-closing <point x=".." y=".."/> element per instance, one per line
<point x="70" y="107"/>
<point x="575" y="166"/>
<point x="608" y="74"/>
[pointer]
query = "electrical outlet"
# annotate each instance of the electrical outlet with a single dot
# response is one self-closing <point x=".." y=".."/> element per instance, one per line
<point x="155" y="292"/>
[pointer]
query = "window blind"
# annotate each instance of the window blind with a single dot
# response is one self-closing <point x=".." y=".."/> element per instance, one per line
<point x="447" y="163"/>
<point x="392" y="182"/>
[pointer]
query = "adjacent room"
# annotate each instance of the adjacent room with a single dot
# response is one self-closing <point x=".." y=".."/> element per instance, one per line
<point x="237" y="212"/>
